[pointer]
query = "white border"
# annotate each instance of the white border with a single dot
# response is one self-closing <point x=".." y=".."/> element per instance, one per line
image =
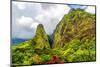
<point x="4" y="33"/>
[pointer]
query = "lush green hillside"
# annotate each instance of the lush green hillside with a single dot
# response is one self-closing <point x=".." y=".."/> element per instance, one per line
<point x="75" y="34"/>
<point x="30" y="52"/>
<point x="73" y="41"/>
<point x="40" y="41"/>
<point x="75" y="25"/>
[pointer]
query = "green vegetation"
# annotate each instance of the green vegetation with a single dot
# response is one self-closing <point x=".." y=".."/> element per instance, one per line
<point x="73" y="41"/>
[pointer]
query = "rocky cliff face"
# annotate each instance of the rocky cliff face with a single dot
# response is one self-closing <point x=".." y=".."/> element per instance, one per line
<point x="77" y="24"/>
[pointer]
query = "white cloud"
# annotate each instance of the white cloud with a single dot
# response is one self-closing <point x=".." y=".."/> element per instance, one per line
<point x="20" y="5"/>
<point x="51" y="15"/>
<point x="34" y="25"/>
<point x="90" y="9"/>
<point x="25" y="21"/>
<point x="27" y="27"/>
<point x="24" y="27"/>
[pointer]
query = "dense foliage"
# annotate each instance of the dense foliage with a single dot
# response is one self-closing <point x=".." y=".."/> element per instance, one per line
<point x="73" y="40"/>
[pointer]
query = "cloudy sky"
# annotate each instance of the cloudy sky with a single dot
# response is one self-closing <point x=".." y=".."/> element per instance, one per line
<point x="26" y="16"/>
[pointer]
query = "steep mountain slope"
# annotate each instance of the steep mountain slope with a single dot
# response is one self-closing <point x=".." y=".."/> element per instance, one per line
<point x="75" y="36"/>
<point x="40" y="41"/>
<point x="78" y="24"/>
